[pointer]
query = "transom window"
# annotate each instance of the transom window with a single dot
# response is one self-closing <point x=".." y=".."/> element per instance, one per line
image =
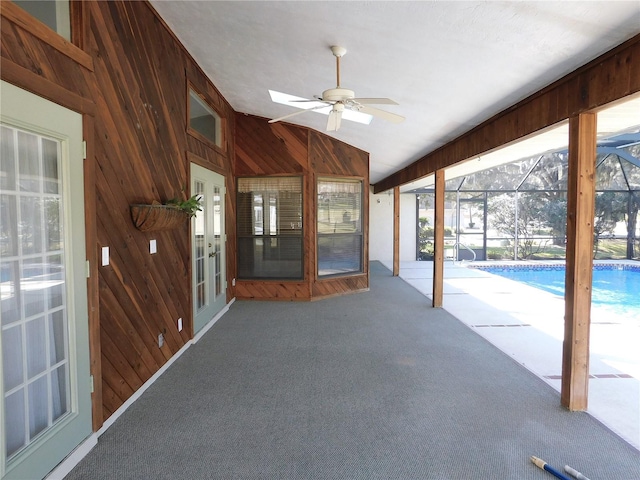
<point x="54" y="14"/>
<point x="204" y="121"/>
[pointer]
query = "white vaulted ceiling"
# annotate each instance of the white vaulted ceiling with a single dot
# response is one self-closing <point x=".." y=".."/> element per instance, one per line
<point x="449" y="64"/>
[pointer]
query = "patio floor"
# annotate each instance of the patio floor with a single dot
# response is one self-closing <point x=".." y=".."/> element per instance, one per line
<point x="527" y="324"/>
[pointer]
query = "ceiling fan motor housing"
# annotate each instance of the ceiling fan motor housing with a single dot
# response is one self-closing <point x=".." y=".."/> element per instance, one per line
<point x="337" y="94"/>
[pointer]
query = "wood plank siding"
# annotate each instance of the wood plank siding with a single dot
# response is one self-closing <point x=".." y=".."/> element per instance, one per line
<point x="130" y="80"/>
<point x="127" y="73"/>
<point x="284" y="149"/>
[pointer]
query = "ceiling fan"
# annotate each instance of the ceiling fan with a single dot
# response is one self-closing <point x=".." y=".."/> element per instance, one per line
<point x="338" y="102"/>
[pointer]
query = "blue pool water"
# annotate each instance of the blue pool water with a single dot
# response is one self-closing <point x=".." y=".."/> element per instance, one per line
<point x="615" y="287"/>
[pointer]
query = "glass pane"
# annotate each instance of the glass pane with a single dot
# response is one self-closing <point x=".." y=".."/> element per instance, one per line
<point x="30" y="226"/>
<point x="269" y="228"/>
<point x="28" y="162"/>
<point x="13" y="374"/>
<point x="10" y="292"/>
<point x="200" y="226"/>
<point x="36" y="347"/>
<point x="203" y="119"/>
<point x="339" y="206"/>
<point x="38" y="407"/>
<point x="50" y="159"/>
<point x="53" y="13"/>
<point x="33" y="287"/>
<point x="34" y="336"/>
<point x="8" y="226"/>
<point x="339" y="254"/>
<point x="55" y="281"/>
<point x="7" y="160"/>
<point x="59" y="392"/>
<point x="52" y="223"/>
<point x="339" y="226"/>
<point x="15" y="422"/>
<point x="57" y="338"/>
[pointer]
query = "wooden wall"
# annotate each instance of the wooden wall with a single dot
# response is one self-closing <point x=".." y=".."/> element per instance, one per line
<point x="280" y="148"/>
<point x="129" y="76"/>
<point x="130" y="81"/>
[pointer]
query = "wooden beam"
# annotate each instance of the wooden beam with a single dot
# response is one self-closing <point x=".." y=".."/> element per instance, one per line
<point x="93" y="284"/>
<point x="438" y="242"/>
<point x="580" y="214"/>
<point x="396" y="231"/>
<point x="610" y="77"/>
<point x="27" y="80"/>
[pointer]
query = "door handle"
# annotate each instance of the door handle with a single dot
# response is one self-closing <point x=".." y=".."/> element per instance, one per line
<point x="212" y="254"/>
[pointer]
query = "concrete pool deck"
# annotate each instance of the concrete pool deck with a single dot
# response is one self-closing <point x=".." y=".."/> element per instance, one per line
<point x="527" y="324"/>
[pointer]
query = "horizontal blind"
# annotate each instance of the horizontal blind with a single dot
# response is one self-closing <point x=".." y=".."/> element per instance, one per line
<point x="269" y="226"/>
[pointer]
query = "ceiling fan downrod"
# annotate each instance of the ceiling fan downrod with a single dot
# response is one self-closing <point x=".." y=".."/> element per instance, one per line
<point x="338" y="52"/>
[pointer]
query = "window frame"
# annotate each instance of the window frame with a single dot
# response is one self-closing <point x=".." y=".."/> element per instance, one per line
<point x="361" y="233"/>
<point x="222" y="147"/>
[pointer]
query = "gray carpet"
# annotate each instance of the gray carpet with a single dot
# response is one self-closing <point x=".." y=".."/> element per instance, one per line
<point x="375" y="385"/>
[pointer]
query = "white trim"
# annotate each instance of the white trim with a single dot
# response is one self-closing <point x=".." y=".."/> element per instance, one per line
<point x="87" y="445"/>
<point x="206" y="328"/>
<point x="64" y="467"/>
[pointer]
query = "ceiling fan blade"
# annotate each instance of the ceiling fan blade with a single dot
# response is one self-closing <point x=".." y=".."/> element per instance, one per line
<point x="333" y="123"/>
<point x="298" y="113"/>
<point x="374" y="101"/>
<point x="376" y="112"/>
<point x="313" y="101"/>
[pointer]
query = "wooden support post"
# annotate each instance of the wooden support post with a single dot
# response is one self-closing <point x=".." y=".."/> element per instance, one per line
<point x="396" y="231"/>
<point x="438" y="241"/>
<point x="580" y="214"/>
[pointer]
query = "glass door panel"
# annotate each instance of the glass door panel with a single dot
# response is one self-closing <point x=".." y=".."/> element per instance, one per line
<point x="45" y="400"/>
<point x="208" y="242"/>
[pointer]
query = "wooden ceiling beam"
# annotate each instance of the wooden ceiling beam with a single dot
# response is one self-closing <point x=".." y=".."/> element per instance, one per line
<point x="610" y="77"/>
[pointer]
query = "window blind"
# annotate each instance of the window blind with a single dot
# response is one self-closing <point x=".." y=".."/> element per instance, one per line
<point x="269" y="227"/>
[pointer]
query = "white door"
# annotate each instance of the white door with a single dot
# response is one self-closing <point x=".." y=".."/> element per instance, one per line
<point x="208" y="246"/>
<point x="46" y="399"/>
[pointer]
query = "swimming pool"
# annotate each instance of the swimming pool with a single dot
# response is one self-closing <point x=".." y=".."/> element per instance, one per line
<point x="616" y="287"/>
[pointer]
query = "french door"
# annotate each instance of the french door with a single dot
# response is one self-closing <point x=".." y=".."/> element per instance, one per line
<point x="208" y="246"/>
<point x="46" y="400"/>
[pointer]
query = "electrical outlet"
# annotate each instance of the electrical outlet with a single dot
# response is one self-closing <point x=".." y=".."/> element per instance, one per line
<point x="233" y="282"/>
<point x="180" y="324"/>
<point x="160" y="340"/>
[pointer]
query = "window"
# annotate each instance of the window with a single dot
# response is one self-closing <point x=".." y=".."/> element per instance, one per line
<point x="270" y="228"/>
<point x="339" y="226"/>
<point x="54" y="14"/>
<point x="204" y="122"/>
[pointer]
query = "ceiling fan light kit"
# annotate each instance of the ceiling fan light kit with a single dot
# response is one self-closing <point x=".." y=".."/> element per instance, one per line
<point x="343" y="100"/>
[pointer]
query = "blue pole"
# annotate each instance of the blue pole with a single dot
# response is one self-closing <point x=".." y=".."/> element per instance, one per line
<point x="538" y="462"/>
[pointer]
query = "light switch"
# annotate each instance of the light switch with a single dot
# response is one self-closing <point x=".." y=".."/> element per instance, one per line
<point x="180" y="324"/>
<point x="105" y="256"/>
<point x="152" y="246"/>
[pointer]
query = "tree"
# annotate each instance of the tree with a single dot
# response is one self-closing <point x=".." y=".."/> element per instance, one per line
<point x="530" y="210"/>
<point x="610" y="208"/>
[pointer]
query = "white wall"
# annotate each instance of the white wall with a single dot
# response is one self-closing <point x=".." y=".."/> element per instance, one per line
<point x="381" y="227"/>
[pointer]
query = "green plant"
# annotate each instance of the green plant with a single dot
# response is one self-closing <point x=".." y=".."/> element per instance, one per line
<point x="191" y="206"/>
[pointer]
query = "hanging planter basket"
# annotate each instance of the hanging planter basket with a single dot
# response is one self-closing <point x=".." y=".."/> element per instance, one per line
<point x="151" y="218"/>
